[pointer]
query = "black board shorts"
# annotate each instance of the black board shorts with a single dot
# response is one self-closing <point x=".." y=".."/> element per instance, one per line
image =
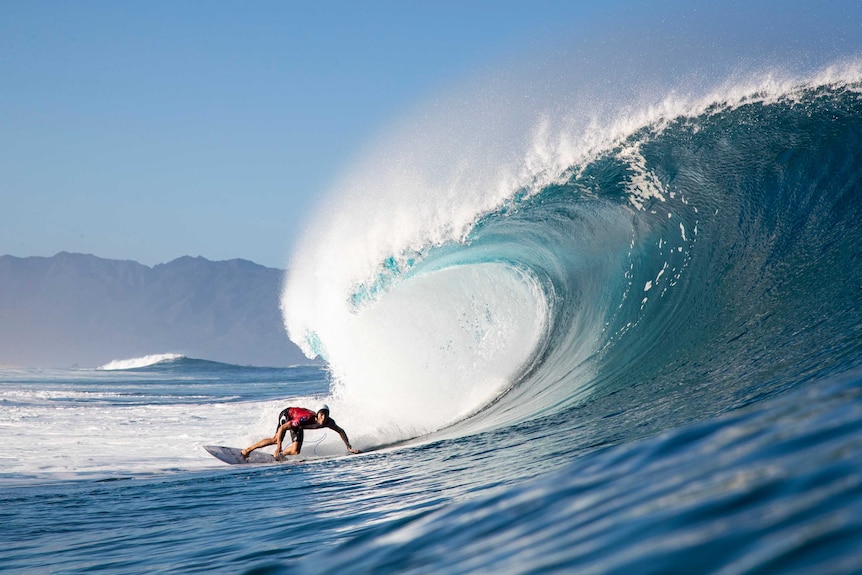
<point x="295" y="434"/>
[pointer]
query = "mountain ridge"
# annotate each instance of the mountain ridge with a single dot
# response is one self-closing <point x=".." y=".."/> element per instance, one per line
<point x="75" y="309"/>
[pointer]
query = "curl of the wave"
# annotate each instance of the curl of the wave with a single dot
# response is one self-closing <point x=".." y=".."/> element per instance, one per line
<point x="139" y="362"/>
<point x="402" y="320"/>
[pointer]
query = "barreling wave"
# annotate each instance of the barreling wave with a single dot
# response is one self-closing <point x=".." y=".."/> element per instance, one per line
<point x="709" y="244"/>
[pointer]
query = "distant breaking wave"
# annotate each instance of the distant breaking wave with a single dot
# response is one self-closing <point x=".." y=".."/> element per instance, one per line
<point x="175" y="362"/>
<point x="139" y="362"/>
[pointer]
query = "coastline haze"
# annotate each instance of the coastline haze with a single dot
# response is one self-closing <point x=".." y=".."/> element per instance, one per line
<point x="80" y="310"/>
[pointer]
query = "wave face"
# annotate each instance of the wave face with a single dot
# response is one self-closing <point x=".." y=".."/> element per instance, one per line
<point x="703" y="251"/>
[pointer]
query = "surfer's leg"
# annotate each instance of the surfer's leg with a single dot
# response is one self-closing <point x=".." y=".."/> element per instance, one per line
<point x="262" y="443"/>
<point x="296" y="446"/>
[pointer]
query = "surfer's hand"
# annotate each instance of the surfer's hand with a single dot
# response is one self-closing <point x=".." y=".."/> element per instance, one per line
<point x="354" y="451"/>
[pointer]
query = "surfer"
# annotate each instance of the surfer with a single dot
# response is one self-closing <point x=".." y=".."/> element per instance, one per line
<point x="295" y="420"/>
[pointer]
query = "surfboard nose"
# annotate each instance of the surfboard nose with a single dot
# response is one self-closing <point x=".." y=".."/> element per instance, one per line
<point x="233" y="455"/>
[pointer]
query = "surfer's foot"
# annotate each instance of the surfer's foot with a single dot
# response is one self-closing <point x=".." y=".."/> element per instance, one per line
<point x="244" y="454"/>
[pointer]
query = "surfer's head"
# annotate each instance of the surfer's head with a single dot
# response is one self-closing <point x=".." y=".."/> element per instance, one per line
<point x="322" y="412"/>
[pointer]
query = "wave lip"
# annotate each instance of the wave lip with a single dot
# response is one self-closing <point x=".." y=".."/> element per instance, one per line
<point x="139" y="362"/>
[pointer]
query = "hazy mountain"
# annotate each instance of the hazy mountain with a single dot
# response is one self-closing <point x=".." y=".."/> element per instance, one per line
<point x="75" y="309"/>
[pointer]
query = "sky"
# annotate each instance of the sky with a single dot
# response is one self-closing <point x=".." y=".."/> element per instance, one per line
<point x="152" y="130"/>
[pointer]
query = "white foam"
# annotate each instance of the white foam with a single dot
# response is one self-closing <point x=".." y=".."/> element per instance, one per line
<point x="437" y="348"/>
<point x="57" y="432"/>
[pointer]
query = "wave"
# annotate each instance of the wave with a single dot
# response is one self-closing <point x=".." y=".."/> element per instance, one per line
<point x="706" y="243"/>
<point x="141" y="362"/>
<point x="176" y="362"/>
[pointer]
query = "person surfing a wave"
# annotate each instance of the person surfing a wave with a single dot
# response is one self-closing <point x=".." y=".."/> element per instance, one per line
<point x="296" y="420"/>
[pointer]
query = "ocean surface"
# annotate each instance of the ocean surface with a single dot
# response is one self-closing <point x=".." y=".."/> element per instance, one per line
<point x="636" y="348"/>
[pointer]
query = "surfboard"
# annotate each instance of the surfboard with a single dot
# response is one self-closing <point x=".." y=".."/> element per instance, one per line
<point x="233" y="455"/>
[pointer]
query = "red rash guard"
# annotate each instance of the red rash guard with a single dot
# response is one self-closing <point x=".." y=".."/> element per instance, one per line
<point x="297" y="416"/>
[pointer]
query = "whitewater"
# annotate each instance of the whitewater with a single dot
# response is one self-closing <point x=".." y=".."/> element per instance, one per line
<point x="622" y="337"/>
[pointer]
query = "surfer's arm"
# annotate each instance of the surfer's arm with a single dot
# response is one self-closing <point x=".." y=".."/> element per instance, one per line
<point x="343" y="435"/>
<point x="279" y="436"/>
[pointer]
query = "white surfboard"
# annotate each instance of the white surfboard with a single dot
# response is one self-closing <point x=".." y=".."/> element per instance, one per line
<point x="233" y="455"/>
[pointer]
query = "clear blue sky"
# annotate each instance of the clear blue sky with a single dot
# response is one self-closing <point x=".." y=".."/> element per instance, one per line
<point x="151" y="130"/>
